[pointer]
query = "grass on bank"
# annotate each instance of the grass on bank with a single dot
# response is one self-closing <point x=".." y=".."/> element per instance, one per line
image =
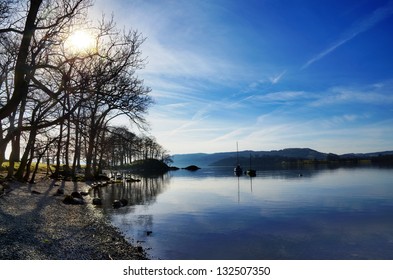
<point x="42" y="167"/>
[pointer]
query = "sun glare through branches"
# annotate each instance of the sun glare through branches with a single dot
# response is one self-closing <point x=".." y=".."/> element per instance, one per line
<point x="80" y="42"/>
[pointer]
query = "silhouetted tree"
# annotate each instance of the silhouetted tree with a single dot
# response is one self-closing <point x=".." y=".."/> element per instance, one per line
<point x="36" y="33"/>
<point x="62" y="103"/>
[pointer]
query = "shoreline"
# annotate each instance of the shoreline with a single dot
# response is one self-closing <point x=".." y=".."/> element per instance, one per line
<point x="35" y="224"/>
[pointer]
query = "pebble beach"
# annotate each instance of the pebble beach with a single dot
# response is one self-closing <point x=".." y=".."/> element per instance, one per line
<point x="35" y="224"/>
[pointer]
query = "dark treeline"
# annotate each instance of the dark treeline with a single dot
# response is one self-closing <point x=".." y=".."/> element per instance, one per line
<point x="270" y="161"/>
<point x="57" y="101"/>
<point x="124" y="147"/>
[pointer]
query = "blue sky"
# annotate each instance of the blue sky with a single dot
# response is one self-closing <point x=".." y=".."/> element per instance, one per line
<point x="269" y="74"/>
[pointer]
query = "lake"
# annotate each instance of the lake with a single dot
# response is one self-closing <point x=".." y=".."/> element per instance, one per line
<point x="343" y="213"/>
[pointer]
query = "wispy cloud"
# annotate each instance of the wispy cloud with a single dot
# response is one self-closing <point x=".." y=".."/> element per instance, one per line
<point x="342" y="120"/>
<point x="231" y="134"/>
<point x="342" y="95"/>
<point x="365" y="24"/>
<point x="267" y="80"/>
<point x="276" y="78"/>
<point x="338" y="134"/>
<point x="166" y="63"/>
<point x="376" y="94"/>
<point x="282" y="96"/>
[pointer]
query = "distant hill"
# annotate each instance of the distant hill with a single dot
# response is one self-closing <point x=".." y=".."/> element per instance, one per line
<point x="375" y="154"/>
<point x="200" y="159"/>
<point x="264" y="158"/>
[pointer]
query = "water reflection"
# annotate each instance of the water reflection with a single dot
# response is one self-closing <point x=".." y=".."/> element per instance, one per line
<point x="143" y="192"/>
<point x="280" y="214"/>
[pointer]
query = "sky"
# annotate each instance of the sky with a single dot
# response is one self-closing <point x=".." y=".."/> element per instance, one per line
<point x="266" y="74"/>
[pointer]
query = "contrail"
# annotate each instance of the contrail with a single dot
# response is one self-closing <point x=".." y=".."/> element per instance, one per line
<point x="367" y="23"/>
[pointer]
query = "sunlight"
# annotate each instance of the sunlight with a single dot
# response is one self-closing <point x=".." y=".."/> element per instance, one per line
<point x="80" y="42"/>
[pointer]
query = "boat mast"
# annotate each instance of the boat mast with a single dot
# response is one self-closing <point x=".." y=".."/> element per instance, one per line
<point x="237" y="153"/>
<point x="238" y="170"/>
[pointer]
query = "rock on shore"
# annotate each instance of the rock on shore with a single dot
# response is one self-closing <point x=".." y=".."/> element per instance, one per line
<point x="35" y="225"/>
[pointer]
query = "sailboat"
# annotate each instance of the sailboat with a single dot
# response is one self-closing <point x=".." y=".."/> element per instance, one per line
<point x="251" y="172"/>
<point x="237" y="170"/>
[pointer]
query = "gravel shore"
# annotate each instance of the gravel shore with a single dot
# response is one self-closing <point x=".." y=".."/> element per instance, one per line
<point x="35" y="224"/>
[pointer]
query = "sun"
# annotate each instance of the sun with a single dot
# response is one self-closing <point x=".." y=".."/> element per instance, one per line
<point x="80" y="42"/>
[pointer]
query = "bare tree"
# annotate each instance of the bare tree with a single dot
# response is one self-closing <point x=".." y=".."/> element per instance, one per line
<point x="62" y="14"/>
<point x="39" y="32"/>
<point x="62" y="103"/>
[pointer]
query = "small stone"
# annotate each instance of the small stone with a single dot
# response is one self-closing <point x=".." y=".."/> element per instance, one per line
<point x="60" y="191"/>
<point x="117" y="204"/>
<point x="76" y="195"/>
<point x="97" y="201"/>
<point x="124" y="201"/>
<point x="68" y="199"/>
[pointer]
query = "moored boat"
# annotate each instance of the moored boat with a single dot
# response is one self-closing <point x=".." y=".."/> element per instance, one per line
<point x="238" y="170"/>
<point x="251" y="172"/>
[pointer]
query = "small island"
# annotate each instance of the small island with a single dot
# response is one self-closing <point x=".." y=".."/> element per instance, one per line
<point x="192" y="168"/>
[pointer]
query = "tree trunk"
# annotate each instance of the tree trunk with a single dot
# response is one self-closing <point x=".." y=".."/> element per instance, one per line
<point x="89" y="154"/>
<point x="20" y="82"/>
<point x="30" y="161"/>
<point x="76" y="144"/>
<point x="11" y="166"/>
<point x="29" y="148"/>
<point x="67" y="143"/>
<point x="58" y="152"/>
<point x="3" y="145"/>
<point x="36" y="167"/>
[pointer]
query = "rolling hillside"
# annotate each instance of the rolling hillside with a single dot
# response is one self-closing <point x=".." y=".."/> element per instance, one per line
<point x="264" y="157"/>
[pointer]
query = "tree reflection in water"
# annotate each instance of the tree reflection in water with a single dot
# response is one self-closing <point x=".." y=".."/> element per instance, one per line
<point x="143" y="192"/>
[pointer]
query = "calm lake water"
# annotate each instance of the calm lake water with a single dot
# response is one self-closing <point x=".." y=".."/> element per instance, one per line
<point x="345" y="213"/>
